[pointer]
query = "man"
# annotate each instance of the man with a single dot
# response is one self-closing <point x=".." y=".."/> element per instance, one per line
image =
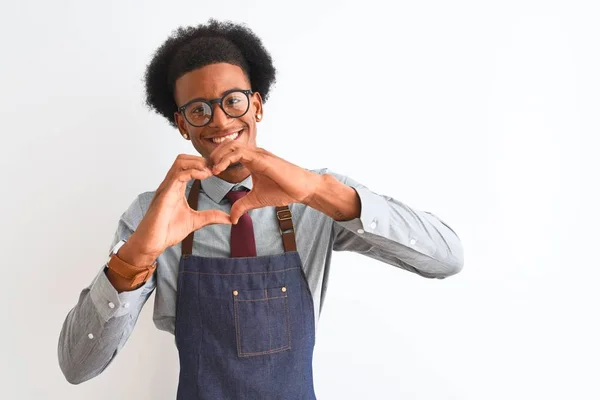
<point x="237" y="242"/>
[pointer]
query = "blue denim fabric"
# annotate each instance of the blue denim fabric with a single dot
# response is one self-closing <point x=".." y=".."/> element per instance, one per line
<point x="244" y="328"/>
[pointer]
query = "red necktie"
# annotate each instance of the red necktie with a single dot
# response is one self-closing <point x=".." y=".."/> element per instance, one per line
<point x="242" y="234"/>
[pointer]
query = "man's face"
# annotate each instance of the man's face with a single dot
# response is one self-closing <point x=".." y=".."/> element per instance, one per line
<point x="212" y="82"/>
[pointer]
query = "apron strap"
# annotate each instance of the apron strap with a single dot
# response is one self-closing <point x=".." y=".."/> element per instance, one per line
<point x="284" y="217"/>
<point x="286" y="228"/>
<point x="188" y="242"/>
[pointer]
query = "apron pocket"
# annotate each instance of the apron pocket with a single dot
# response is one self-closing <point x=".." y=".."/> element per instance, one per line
<point x="262" y="321"/>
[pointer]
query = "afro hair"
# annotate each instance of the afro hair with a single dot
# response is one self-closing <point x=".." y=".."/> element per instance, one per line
<point x="189" y="48"/>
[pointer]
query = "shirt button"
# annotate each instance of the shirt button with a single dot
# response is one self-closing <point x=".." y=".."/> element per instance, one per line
<point x="111" y="304"/>
<point x="374" y="224"/>
<point x="413" y="241"/>
<point x="91" y="336"/>
<point x="126" y="305"/>
<point x="361" y="231"/>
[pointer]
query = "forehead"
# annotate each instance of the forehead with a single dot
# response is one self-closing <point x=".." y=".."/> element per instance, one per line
<point x="209" y="82"/>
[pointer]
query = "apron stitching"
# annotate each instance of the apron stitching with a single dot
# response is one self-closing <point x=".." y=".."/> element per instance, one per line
<point x="266" y="298"/>
<point x="287" y="314"/>
<point x="268" y="320"/>
<point x="237" y="329"/>
<point x="241" y="273"/>
<point x="286" y="347"/>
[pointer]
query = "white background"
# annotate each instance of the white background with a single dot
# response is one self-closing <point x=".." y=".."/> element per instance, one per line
<point x="484" y="113"/>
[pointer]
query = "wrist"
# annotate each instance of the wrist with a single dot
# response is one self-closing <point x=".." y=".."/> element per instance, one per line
<point x="125" y="277"/>
<point x="335" y="199"/>
<point x="134" y="254"/>
<point x="128" y="268"/>
<point x="318" y="183"/>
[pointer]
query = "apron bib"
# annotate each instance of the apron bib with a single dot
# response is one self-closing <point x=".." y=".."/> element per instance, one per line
<point x="244" y="327"/>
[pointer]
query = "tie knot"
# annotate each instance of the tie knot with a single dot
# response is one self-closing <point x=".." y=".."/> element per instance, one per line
<point x="234" y="196"/>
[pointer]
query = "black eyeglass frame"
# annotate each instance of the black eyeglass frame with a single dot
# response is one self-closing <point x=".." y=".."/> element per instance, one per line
<point x="218" y="101"/>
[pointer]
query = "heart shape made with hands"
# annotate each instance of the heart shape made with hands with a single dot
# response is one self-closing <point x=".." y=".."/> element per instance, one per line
<point x="275" y="181"/>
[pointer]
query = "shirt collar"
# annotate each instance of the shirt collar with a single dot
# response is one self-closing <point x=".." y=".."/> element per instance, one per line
<point x="217" y="188"/>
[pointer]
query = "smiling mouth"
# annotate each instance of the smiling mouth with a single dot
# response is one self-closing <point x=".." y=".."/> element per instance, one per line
<point x="221" y="139"/>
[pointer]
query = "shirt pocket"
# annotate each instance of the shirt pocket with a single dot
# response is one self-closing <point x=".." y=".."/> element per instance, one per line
<point x="262" y="321"/>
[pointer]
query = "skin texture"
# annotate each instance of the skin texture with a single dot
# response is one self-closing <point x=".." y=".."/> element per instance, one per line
<point x="276" y="182"/>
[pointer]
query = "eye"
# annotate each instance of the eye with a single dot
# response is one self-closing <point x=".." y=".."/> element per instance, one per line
<point x="198" y="111"/>
<point x="232" y="101"/>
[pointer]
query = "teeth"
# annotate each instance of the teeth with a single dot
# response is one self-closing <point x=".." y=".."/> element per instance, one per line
<point x="233" y="136"/>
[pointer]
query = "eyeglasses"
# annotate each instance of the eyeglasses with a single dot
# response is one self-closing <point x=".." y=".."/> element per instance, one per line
<point x="199" y="112"/>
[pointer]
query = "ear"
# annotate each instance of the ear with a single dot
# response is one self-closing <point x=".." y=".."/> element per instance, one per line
<point x="181" y="125"/>
<point x="257" y="106"/>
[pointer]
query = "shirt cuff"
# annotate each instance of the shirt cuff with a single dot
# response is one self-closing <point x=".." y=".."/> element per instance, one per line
<point x="374" y="215"/>
<point x="108" y="302"/>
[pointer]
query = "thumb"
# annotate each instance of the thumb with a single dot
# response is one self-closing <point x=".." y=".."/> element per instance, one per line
<point x="241" y="207"/>
<point x="210" y="217"/>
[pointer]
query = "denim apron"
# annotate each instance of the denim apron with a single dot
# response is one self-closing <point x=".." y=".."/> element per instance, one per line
<point x="244" y="327"/>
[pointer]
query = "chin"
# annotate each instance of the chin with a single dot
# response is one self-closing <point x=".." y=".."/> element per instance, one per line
<point x="234" y="167"/>
<point x="235" y="173"/>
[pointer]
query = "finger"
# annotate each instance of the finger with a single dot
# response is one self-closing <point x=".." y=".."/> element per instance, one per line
<point x="180" y="172"/>
<point x="229" y="146"/>
<point x="242" y="206"/>
<point x="241" y="155"/>
<point x="184" y="156"/>
<point x="225" y="162"/>
<point x="189" y="174"/>
<point x="185" y="168"/>
<point x="187" y="163"/>
<point x="181" y="178"/>
<point x="210" y="217"/>
<point x="183" y="162"/>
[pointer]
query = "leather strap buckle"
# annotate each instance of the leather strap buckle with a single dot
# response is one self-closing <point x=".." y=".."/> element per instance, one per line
<point x="284" y="215"/>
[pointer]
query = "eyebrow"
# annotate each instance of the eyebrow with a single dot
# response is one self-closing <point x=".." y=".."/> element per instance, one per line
<point x="221" y="96"/>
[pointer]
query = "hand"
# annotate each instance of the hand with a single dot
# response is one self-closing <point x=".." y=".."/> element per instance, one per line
<point x="276" y="182"/>
<point x="169" y="218"/>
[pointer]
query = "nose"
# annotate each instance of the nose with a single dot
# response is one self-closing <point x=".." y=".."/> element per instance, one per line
<point x="219" y="118"/>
